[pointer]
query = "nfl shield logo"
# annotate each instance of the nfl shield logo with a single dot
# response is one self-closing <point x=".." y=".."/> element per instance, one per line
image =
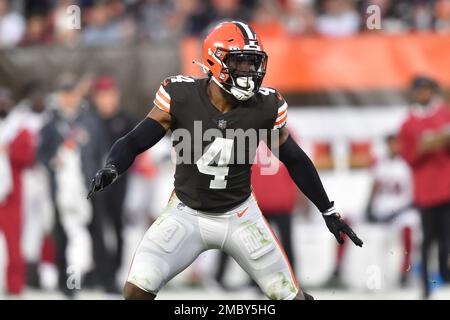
<point x="222" y="124"/>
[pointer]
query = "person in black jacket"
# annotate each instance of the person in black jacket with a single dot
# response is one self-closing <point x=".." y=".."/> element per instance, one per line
<point x="114" y="122"/>
<point x="69" y="136"/>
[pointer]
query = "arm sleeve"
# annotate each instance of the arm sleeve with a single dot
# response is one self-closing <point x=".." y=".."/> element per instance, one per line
<point x="162" y="97"/>
<point x="304" y="174"/>
<point x="144" y="136"/>
<point x="408" y="141"/>
<point x="282" y="112"/>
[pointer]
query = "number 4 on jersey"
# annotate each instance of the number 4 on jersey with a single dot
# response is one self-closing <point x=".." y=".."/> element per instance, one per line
<point x="221" y="148"/>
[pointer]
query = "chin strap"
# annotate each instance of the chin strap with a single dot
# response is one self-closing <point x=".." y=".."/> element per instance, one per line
<point x="235" y="91"/>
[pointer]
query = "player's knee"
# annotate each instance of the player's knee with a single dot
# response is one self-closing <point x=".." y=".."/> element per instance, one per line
<point x="132" y="292"/>
<point x="280" y="287"/>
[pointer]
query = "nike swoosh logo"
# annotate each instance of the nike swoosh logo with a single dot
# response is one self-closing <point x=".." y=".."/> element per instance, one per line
<point x="241" y="213"/>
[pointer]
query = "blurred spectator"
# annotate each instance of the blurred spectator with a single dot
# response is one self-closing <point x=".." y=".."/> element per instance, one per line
<point x="229" y="9"/>
<point x="195" y="16"/>
<point x="266" y="19"/>
<point x="114" y="122"/>
<point x="301" y="18"/>
<point x="16" y="154"/>
<point x="38" y="210"/>
<point x="390" y="200"/>
<point x="38" y="7"/>
<point x="423" y="18"/>
<point x="37" y="32"/>
<point x="219" y="10"/>
<point x="425" y="144"/>
<point x="62" y="34"/>
<point x="105" y="24"/>
<point x="12" y="26"/>
<point x="110" y="22"/>
<point x="139" y="197"/>
<point x="442" y="11"/>
<point x="340" y="18"/>
<point x="68" y="148"/>
<point x="155" y="19"/>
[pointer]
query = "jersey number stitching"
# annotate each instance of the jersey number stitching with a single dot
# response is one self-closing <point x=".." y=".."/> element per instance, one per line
<point x="220" y="147"/>
<point x="181" y="79"/>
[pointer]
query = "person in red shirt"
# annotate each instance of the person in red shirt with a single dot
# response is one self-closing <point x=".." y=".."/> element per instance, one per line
<point x="17" y="147"/>
<point x="425" y="145"/>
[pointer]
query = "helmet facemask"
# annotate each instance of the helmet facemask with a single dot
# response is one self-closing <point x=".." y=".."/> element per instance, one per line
<point x="246" y="70"/>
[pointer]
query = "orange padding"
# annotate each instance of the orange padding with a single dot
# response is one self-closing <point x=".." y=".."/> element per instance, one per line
<point x="362" y="62"/>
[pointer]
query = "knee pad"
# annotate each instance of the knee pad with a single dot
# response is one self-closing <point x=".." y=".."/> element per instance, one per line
<point x="168" y="234"/>
<point x="279" y="286"/>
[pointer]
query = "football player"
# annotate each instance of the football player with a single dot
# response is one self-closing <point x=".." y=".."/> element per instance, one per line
<point x="212" y="206"/>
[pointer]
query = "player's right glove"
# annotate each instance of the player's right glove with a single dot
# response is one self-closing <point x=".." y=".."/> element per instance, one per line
<point x="102" y="179"/>
<point x="336" y="225"/>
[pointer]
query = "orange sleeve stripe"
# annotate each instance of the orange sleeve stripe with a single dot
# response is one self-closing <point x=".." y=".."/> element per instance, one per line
<point x="282" y="113"/>
<point x="159" y="105"/>
<point x="162" y="96"/>
<point x="281" y="121"/>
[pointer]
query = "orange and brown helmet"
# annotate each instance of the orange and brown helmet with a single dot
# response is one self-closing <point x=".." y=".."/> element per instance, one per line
<point x="235" y="59"/>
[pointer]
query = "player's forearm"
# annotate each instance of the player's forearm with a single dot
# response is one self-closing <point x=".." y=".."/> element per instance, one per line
<point x="431" y="142"/>
<point x="304" y="174"/>
<point x="145" y="135"/>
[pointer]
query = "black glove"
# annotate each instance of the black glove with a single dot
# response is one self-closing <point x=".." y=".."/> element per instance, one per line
<point x="102" y="179"/>
<point x="336" y="225"/>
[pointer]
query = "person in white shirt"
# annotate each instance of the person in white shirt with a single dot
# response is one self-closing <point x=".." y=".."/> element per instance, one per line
<point x="391" y="200"/>
<point x="340" y="19"/>
<point x="12" y="26"/>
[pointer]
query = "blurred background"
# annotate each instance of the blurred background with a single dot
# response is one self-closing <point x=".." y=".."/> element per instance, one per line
<point x="73" y="79"/>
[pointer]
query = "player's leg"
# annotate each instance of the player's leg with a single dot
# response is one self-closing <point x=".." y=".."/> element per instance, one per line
<point x="170" y="245"/>
<point x="406" y="224"/>
<point x="407" y="247"/>
<point x="427" y="239"/>
<point x="443" y="237"/>
<point x="15" y="271"/>
<point x="283" y="222"/>
<point x="114" y="205"/>
<point x="253" y="245"/>
<point x="133" y="292"/>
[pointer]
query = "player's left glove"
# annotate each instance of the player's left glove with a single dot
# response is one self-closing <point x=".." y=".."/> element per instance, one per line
<point x="336" y="225"/>
<point x="102" y="179"/>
